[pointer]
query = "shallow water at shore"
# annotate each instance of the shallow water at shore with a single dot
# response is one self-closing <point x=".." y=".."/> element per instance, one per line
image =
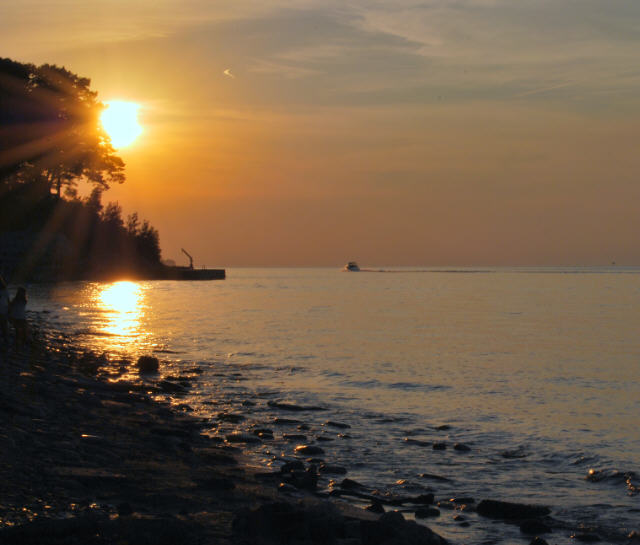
<point x="536" y="371"/>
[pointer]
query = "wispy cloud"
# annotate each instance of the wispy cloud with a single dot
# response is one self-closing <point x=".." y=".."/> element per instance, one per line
<point x="228" y="73"/>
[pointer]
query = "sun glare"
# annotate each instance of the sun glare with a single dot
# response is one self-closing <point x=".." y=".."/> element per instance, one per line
<point x="120" y="120"/>
<point x="122" y="303"/>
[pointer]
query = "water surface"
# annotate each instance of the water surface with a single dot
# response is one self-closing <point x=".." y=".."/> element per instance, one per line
<point x="537" y="370"/>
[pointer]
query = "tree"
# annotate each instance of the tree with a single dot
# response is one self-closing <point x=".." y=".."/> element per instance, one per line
<point x="50" y="130"/>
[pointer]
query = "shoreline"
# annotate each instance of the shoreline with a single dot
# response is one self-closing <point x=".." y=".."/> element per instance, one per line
<point x="89" y="461"/>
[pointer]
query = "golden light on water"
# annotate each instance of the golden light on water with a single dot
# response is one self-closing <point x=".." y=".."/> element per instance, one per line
<point x="120" y="120"/>
<point x="122" y="304"/>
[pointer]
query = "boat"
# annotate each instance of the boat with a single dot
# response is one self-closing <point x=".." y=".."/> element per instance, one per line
<point x="352" y="266"/>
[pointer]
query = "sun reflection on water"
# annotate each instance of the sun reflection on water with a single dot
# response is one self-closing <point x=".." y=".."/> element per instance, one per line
<point x="122" y="304"/>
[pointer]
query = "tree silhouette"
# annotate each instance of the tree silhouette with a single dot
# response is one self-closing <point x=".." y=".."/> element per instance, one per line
<point x="50" y="130"/>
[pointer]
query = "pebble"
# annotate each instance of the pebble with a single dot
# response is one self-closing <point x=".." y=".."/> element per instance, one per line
<point x="333" y="469"/>
<point x="375" y="507"/>
<point x="239" y="437"/>
<point x="538" y="541"/>
<point x="586" y="538"/>
<point x="294" y="437"/>
<point x="350" y="484"/>
<point x="285" y="421"/>
<point x="308" y="450"/>
<point x="427" y="512"/>
<point x="534" y="527"/>
<point x="337" y="424"/>
<point x="508" y="510"/>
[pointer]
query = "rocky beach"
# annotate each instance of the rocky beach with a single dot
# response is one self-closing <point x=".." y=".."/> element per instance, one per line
<point x="103" y="449"/>
<point x="89" y="459"/>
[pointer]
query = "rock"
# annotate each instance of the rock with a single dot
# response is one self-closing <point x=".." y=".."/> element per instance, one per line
<point x="511" y="511"/>
<point x="148" y="364"/>
<point x="534" y="527"/>
<point x="427" y="512"/>
<point x="286" y="421"/>
<point x="340" y="425"/>
<point x="422" y="499"/>
<point x="304" y="480"/>
<point x="124" y="509"/>
<point x="333" y="469"/>
<point x="586" y="538"/>
<point x="440" y="446"/>
<point x="295" y="465"/>
<point x="433" y="477"/>
<point x="309" y="450"/>
<point x="239" y="437"/>
<point x="459" y="518"/>
<point x="392" y="529"/>
<point x="216" y="483"/>
<point x="538" y="541"/>
<point x="350" y="484"/>
<point x="514" y="453"/>
<point x="234" y="418"/>
<point x="170" y="387"/>
<point x="294" y="437"/>
<point x="258" y="431"/>
<point x="375" y="507"/>
<point x="634" y="536"/>
<point x="417" y="442"/>
<point x="214" y="457"/>
<point x="461" y="447"/>
<point x="287" y="488"/>
<point x="292" y="407"/>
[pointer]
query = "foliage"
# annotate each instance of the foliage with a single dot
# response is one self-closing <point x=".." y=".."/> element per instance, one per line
<point x="75" y="238"/>
<point x="50" y="131"/>
<point x="50" y="140"/>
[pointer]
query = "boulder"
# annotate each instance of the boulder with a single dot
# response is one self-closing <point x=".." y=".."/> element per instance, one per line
<point x="538" y="541"/>
<point x="534" y="527"/>
<point x="309" y="450"/>
<point x="511" y="511"/>
<point x="148" y="364"/>
<point x="427" y="512"/>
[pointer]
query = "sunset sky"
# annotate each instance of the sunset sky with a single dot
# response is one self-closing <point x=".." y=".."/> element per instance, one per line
<point x="398" y="132"/>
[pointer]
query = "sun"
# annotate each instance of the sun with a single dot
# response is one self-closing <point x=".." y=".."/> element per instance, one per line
<point x="120" y="120"/>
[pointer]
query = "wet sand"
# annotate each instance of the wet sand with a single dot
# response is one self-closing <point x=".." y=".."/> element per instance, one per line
<point x="86" y="460"/>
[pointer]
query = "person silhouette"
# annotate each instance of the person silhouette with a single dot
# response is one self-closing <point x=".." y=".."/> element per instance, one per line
<point x="18" y="316"/>
<point x="4" y="311"/>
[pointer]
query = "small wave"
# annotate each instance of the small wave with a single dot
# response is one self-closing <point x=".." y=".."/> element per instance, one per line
<point x="98" y="333"/>
<point x="413" y="386"/>
<point x="416" y="386"/>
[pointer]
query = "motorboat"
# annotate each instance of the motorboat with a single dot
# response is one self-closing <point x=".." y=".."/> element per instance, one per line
<point x="352" y="266"/>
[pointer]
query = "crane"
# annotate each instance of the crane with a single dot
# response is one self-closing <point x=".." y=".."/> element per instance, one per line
<point x="189" y="256"/>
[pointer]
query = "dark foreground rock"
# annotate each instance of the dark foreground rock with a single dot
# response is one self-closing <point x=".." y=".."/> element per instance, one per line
<point x="511" y="511"/>
<point x="148" y="364"/>
<point x="324" y="523"/>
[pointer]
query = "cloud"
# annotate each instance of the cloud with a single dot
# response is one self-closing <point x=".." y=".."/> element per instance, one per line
<point x="228" y="73"/>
